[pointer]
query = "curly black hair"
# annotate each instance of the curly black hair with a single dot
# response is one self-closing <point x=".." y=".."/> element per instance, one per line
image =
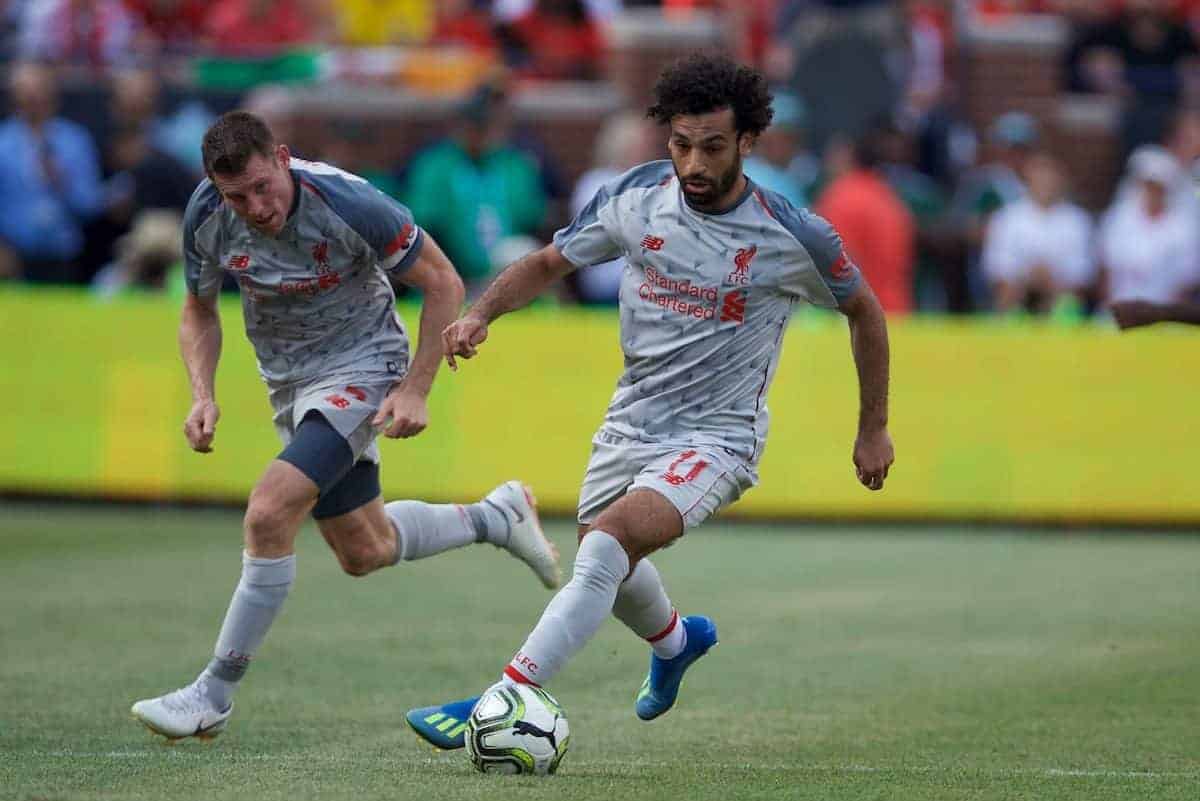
<point x="704" y="82"/>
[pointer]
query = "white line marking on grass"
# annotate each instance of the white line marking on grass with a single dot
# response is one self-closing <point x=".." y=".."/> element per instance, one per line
<point x="185" y="752"/>
<point x="1120" y="774"/>
<point x="97" y="754"/>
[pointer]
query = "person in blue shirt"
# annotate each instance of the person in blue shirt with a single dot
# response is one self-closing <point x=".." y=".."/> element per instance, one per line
<point x="50" y="185"/>
<point x="780" y="161"/>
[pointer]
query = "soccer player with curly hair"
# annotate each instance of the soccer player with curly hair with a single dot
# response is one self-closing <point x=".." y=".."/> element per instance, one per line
<point x="716" y="266"/>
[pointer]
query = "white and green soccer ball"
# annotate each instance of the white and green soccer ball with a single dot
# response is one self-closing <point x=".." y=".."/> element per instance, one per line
<point x="517" y="729"/>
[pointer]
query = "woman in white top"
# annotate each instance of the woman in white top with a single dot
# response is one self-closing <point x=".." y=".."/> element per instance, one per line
<point x="1038" y="249"/>
<point x="1149" y="241"/>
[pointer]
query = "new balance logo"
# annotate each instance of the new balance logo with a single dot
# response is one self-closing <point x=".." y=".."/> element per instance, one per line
<point x="733" y="309"/>
<point x="239" y="262"/>
<point x="652" y="242"/>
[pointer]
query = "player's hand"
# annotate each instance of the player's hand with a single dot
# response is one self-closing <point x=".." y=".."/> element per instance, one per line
<point x="462" y="337"/>
<point x="403" y="413"/>
<point x="1133" y="313"/>
<point x="873" y="455"/>
<point x="201" y="425"/>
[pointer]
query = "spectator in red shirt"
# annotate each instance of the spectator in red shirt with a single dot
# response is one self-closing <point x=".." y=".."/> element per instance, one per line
<point x="555" y="40"/>
<point x="876" y="227"/>
<point x="172" y="26"/>
<point x="262" y="27"/>
<point x="464" y="22"/>
<point x="1000" y="9"/>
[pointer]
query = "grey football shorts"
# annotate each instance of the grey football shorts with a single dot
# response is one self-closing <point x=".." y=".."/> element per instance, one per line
<point x="347" y="405"/>
<point x="699" y="480"/>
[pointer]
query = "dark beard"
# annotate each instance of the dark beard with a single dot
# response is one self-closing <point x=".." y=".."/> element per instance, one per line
<point x="716" y="189"/>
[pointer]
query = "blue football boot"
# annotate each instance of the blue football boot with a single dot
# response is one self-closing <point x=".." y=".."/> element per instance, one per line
<point x="662" y="682"/>
<point x="442" y="726"/>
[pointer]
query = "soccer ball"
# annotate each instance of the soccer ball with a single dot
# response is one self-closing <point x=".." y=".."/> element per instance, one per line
<point x="517" y="729"/>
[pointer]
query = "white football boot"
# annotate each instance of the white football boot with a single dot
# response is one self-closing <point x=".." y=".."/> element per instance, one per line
<point x="187" y="712"/>
<point x="526" y="540"/>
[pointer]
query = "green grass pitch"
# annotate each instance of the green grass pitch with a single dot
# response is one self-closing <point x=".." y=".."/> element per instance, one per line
<point x="854" y="664"/>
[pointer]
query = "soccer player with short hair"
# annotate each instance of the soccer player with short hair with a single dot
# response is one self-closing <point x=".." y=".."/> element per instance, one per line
<point x="314" y="249"/>
<point x="716" y="266"/>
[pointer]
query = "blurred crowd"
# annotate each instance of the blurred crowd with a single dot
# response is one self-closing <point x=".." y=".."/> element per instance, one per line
<point x="868" y="131"/>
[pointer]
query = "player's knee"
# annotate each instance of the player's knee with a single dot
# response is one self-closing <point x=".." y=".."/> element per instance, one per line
<point x="614" y="525"/>
<point x="266" y="522"/>
<point x="638" y="539"/>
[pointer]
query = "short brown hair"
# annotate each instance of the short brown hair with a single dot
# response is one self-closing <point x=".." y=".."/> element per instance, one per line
<point x="232" y="140"/>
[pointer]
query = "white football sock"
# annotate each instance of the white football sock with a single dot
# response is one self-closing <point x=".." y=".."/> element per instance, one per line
<point x="256" y="601"/>
<point x="642" y="605"/>
<point x="574" y="615"/>
<point x="425" y="529"/>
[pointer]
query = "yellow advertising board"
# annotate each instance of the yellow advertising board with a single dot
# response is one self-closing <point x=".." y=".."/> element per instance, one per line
<point x="991" y="420"/>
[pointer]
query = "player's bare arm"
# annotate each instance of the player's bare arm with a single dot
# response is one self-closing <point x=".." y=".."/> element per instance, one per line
<point x="515" y="288"/>
<point x="1135" y="313"/>
<point x="873" y="453"/>
<point x="404" y="411"/>
<point x="200" y="346"/>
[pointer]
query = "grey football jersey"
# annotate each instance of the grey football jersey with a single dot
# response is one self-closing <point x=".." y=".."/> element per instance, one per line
<point x="704" y="302"/>
<point x="316" y="298"/>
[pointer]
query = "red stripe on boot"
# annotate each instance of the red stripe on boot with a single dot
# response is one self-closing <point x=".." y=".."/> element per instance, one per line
<point x="670" y="627"/>
<point x="519" y="677"/>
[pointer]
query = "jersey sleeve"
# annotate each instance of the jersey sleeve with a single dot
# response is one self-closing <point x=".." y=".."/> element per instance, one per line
<point x="820" y="255"/>
<point x="589" y="239"/>
<point x="201" y="265"/>
<point x="384" y="224"/>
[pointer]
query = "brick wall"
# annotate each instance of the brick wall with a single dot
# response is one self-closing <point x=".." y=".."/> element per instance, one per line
<point x="1018" y="66"/>
<point x="643" y="41"/>
<point x="387" y="125"/>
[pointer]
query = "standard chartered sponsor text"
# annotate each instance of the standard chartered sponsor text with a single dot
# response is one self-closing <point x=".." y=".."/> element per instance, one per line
<point x="674" y="295"/>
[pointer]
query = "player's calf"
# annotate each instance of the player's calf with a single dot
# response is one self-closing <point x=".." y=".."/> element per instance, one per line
<point x="364" y="561"/>
<point x="507" y="518"/>
<point x="362" y="540"/>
